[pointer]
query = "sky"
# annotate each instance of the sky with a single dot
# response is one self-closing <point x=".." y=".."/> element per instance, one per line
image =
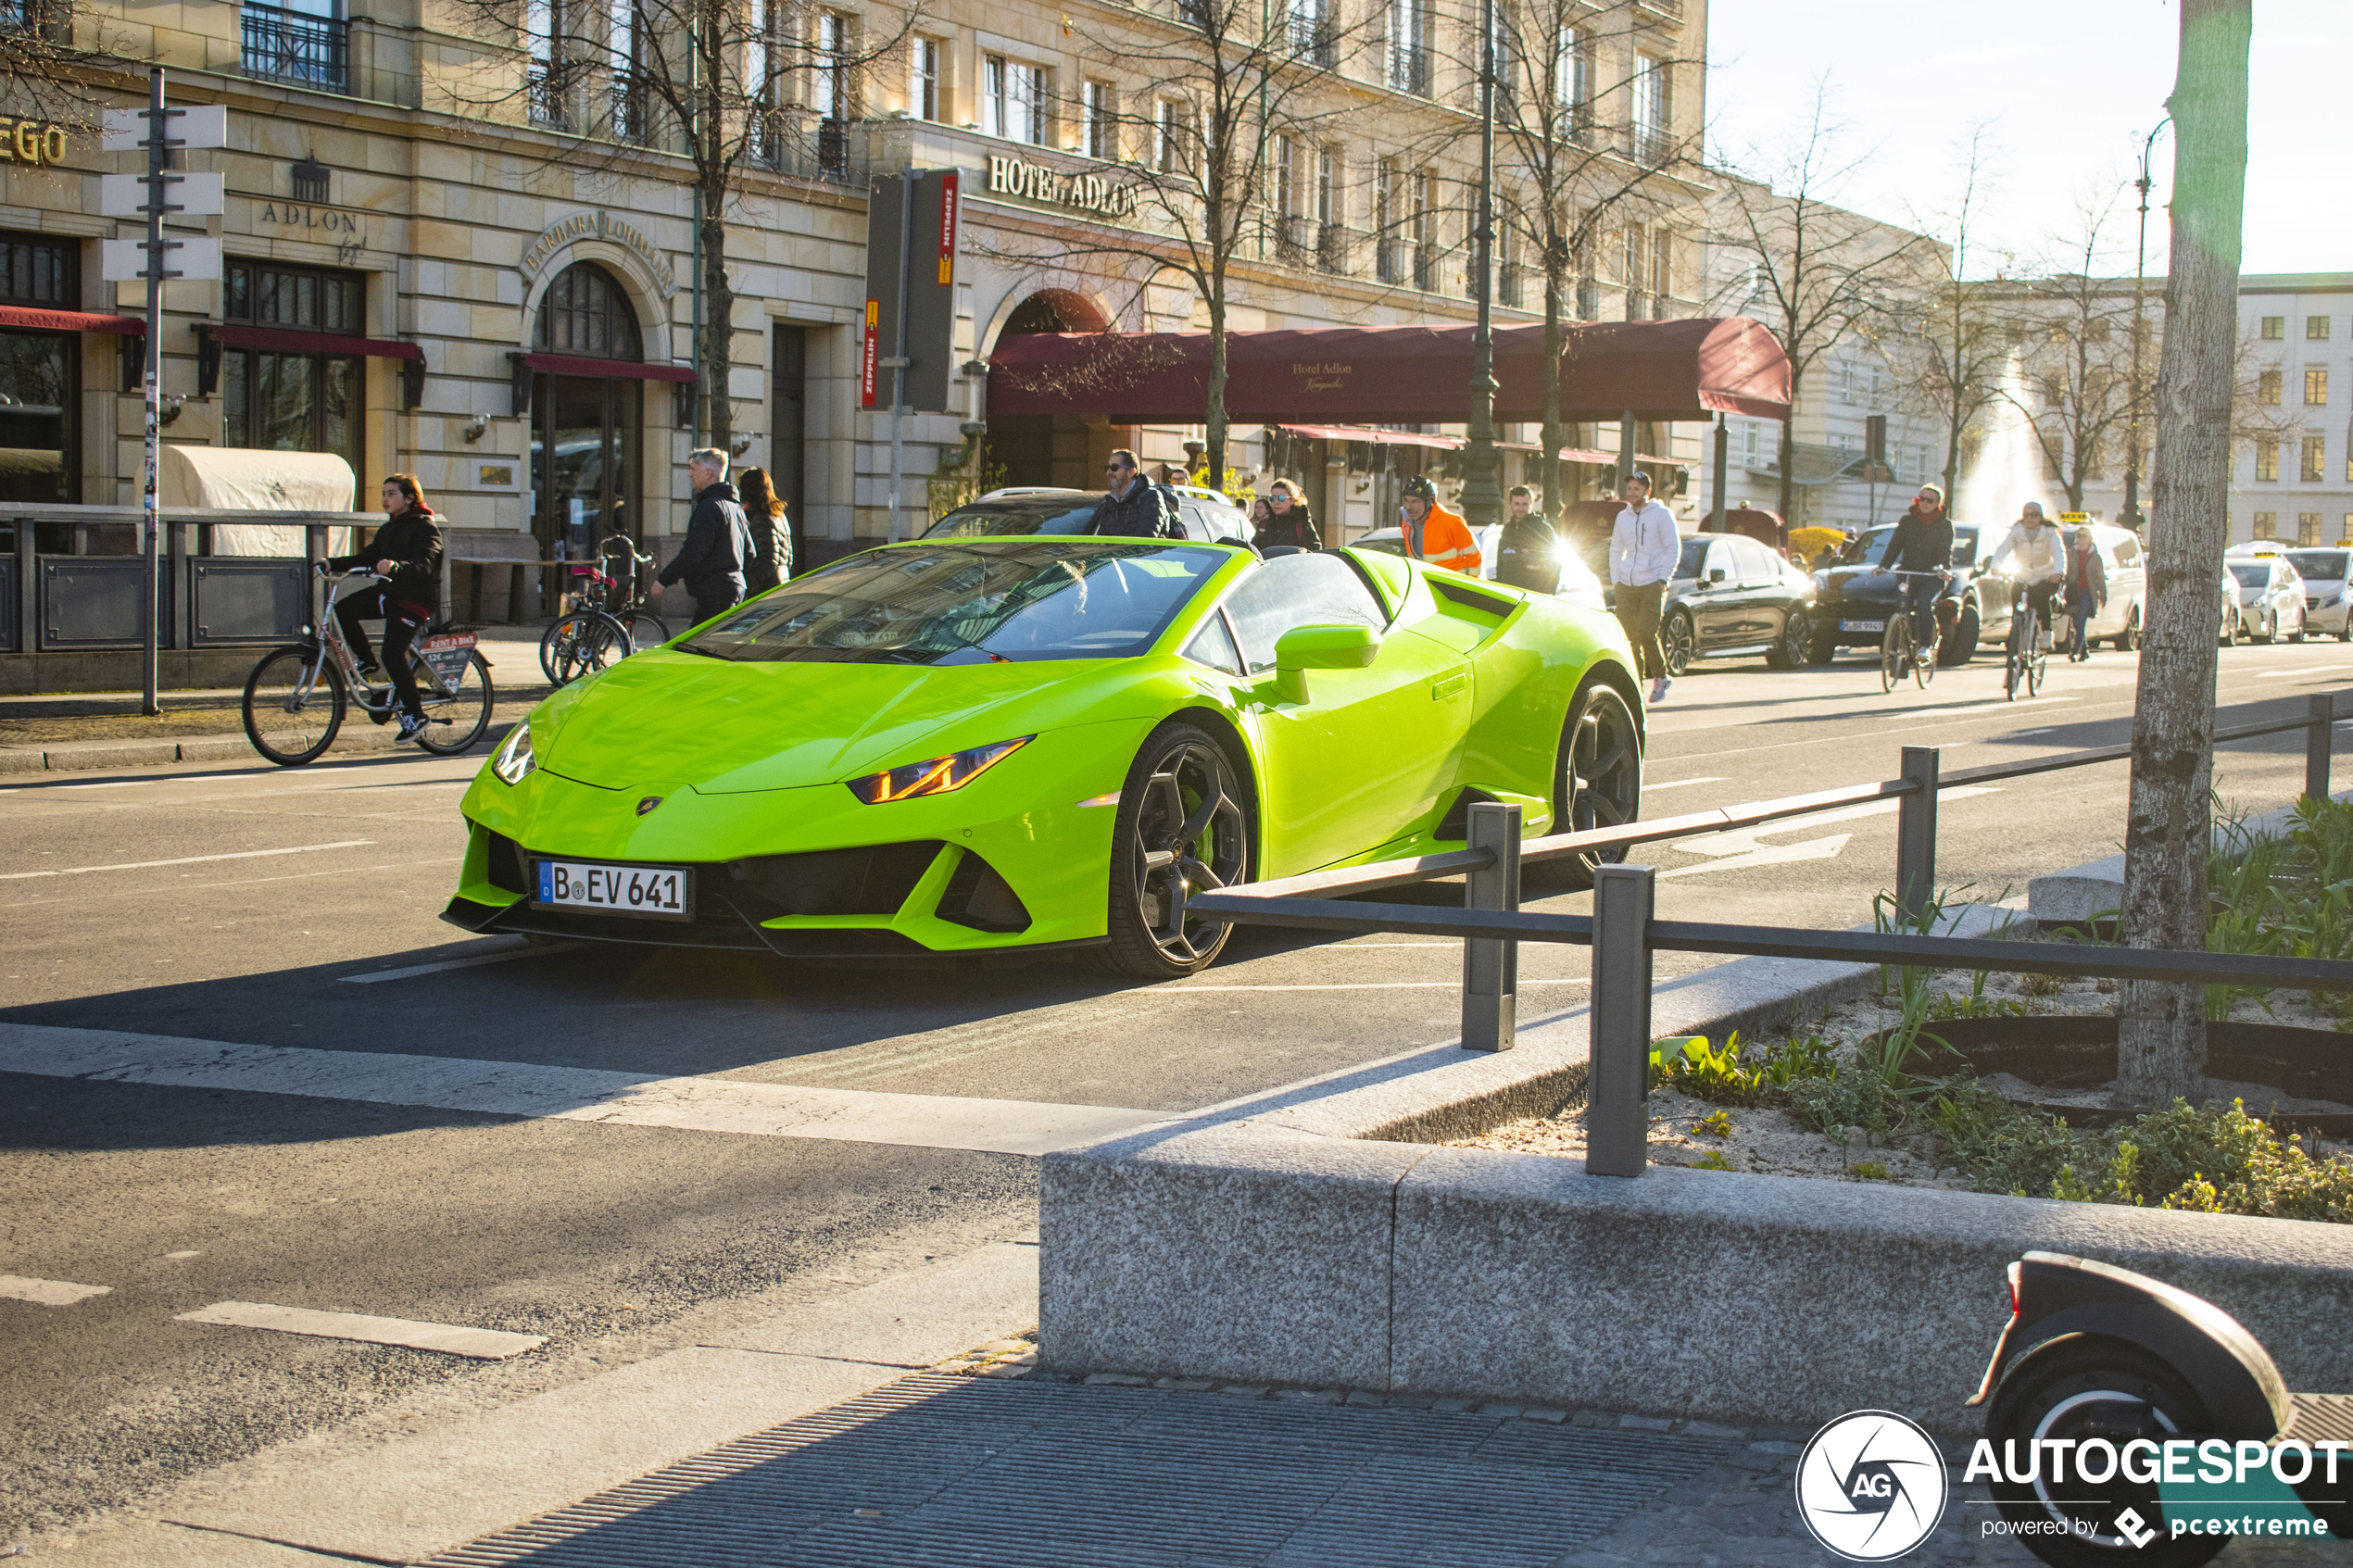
<point x="2066" y="91"/>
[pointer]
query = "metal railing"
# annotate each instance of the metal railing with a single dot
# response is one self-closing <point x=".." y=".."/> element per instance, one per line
<point x="294" y="46"/>
<point x="1624" y="933"/>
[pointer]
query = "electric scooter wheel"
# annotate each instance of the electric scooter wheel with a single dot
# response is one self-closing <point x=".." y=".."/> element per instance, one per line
<point x="2086" y="1386"/>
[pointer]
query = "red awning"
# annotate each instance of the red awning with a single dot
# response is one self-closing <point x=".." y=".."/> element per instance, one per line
<point x="290" y="340"/>
<point x="1658" y="370"/>
<point x="630" y="369"/>
<point x="1378" y="437"/>
<point x="71" y="321"/>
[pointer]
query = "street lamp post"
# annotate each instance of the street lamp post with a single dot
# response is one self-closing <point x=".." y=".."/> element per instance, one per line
<point x="2132" y="517"/>
<point x="1482" y="500"/>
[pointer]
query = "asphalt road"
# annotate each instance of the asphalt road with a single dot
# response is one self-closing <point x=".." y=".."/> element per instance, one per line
<point x="240" y="906"/>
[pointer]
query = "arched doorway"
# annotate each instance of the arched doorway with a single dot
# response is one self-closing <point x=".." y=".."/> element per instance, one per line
<point x="1065" y="449"/>
<point x="585" y="421"/>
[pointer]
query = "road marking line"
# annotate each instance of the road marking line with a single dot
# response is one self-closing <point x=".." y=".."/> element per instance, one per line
<point x="481" y="1344"/>
<point x="2291" y="675"/>
<point x="1381" y="985"/>
<point x="1678" y="784"/>
<point x="568" y="1094"/>
<point x="48" y="1292"/>
<point x="188" y="860"/>
<point x="525" y="951"/>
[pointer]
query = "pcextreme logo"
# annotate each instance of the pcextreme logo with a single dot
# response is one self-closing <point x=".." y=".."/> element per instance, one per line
<point x="1871" y="1485"/>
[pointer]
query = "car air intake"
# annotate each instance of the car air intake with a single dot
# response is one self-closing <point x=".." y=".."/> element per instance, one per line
<point x="505" y="867"/>
<point x="979" y="897"/>
<point x="875" y="879"/>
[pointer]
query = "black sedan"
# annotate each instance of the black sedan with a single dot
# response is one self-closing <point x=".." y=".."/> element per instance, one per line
<point x="1732" y="597"/>
<point x="1855" y="602"/>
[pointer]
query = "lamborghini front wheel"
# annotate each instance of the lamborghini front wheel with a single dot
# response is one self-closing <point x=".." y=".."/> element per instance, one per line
<point x="1182" y="829"/>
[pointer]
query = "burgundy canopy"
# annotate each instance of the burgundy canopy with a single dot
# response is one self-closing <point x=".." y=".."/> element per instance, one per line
<point x="627" y="370"/>
<point x="1684" y="370"/>
<point x="295" y="341"/>
<point x="71" y="321"/>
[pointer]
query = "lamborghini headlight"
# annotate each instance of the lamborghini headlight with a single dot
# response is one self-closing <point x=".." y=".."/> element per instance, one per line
<point x="515" y="760"/>
<point x="936" y="775"/>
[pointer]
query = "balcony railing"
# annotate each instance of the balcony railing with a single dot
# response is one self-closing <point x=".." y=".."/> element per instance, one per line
<point x="1426" y="266"/>
<point x="1314" y="39"/>
<point x="546" y="93"/>
<point x="630" y="108"/>
<point x="1651" y="145"/>
<point x="1511" y="290"/>
<point x="1409" y="69"/>
<point x="1390" y="266"/>
<point x="294" y="47"/>
<point x="1294" y="239"/>
<point x="791" y="142"/>
<point x="1336" y="249"/>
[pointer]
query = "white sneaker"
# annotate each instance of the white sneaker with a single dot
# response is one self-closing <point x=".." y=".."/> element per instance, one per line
<point x="1658" y="689"/>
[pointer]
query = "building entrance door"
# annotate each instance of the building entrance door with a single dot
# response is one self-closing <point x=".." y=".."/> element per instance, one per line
<point x="583" y="470"/>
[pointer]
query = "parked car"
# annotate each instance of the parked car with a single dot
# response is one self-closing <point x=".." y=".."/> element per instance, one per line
<point x="1579" y="586"/>
<point x="2325" y="608"/>
<point x="2270" y="597"/>
<point x="2120" y="620"/>
<point x="1853" y="603"/>
<point x="1208" y="517"/>
<point x="1731" y="597"/>
<point x="2231" y="630"/>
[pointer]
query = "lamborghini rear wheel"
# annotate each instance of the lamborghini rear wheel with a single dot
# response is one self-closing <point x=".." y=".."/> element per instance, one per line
<point x="1598" y="781"/>
<point x="1183" y="828"/>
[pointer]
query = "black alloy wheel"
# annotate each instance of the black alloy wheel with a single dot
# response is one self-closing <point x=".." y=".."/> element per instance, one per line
<point x="1598" y="781"/>
<point x="1795" y="646"/>
<point x="2086" y="1388"/>
<point x="1960" y="644"/>
<point x="1183" y="828"/>
<point x="1682" y="642"/>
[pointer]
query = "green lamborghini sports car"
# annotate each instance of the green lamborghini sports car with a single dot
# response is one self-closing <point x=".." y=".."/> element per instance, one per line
<point x="979" y="746"/>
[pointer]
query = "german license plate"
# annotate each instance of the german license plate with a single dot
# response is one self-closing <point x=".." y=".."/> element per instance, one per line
<point x="1862" y="626"/>
<point x="648" y="892"/>
<point x="448" y="654"/>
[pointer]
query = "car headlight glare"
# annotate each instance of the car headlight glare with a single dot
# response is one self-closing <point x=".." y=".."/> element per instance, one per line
<point x="515" y="759"/>
<point x="935" y="775"/>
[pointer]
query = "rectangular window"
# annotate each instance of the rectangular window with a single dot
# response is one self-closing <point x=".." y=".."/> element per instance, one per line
<point x="1012" y="100"/>
<point x="1425" y="231"/>
<point x="1409" y="65"/>
<point x="1102" y="128"/>
<point x="1386" y="185"/>
<point x="1168" y="136"/>
<point x="2315" y="464"/>
<point x="2316" y="388"/>
<point x="829" y="87"/>
<point x="922" y="78"/>
<point x="2267" y="388"/>
<point x="293" y="401"/>
<point x="1748" y="443"/>
<point x="39" y="374"/>
<point x="2267" y="459"/>
<point x="1311" y="30"/>
<point x="545" y="83"/>
<point x="2316" y="329"/>
<point x="2266" y="526"/>
<point x="1575" y="88"/>
<point x="2308" y="528"/>
<point x="1653" y="109"/>
<point x="1662" y="271"/>
<point x="2274" y="327"/>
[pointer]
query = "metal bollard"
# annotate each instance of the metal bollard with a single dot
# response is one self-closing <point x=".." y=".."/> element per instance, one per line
<point x="1618" y="1082"/>
<point x="1915" y="836"/>
<point x="1491" y="965"/>
<point x="2319" y="737"/>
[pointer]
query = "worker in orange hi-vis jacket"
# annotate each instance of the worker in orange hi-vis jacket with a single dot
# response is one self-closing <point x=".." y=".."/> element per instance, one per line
<point x="1435" y="534"/>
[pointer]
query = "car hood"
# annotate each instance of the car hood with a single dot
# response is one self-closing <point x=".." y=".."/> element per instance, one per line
<point x="728" y="728"/>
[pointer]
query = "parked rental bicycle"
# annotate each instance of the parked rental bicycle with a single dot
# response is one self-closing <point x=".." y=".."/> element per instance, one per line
<point x="296" y="696"/>
<point x="1899" y="650"/>
<point x="608" y="619"/>
<point x="2029" y="646"/>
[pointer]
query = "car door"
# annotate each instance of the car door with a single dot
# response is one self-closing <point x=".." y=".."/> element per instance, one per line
<point x="1371" y="750"/>
<point x="2127" y="580"/>
<point x="1760" y="606"/>
<point x="1715" y="599"/>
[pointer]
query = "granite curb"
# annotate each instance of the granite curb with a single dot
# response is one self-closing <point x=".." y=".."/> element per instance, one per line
<point x="2094" y="890"/>
<point x="95" y="754"/>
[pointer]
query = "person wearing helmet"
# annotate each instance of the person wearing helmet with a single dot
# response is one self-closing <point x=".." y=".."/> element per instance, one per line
<point x="1643" y="546"/>
<point x="1435" y="534"/>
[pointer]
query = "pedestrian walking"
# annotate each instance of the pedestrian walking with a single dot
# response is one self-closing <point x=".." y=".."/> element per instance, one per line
<point x="1527" y="553"/>
<point x="1433" y="533"/>
<point x="1134" y="508"/>
<point x="2086" y="589"/>
<point x="1287" y="522"/>
<point x="1643" y="549"/>
<point x="769" y="561"/>
<point x="711" y="562"/>
<point x="406" y="551"/>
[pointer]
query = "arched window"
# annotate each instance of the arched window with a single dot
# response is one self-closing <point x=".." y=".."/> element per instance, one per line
<point x="585" y="314"/>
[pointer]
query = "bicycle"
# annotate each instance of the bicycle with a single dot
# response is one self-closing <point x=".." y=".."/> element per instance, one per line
<point x="595" y="632"/>
<point x="2030" y="653"/>
<point x="1899" y="653"/>
<point x="297" y="695"/>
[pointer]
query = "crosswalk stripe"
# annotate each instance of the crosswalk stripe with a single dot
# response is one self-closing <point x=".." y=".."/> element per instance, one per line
<point x="572" y="1093"/>
<point x="48" y="1292"/>
<point x="454" y="1339"/>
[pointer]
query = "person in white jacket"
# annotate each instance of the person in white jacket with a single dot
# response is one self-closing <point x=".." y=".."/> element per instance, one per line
<point x="2040" y="551"/>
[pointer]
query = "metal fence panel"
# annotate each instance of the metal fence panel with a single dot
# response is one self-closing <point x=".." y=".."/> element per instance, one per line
<point x="8" y="604"/>
<point x="93" y="602"/>
<point x="246" y="600"/>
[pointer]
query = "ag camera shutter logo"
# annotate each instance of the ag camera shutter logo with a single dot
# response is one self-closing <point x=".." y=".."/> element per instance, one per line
<point x="1871" y="1485"/>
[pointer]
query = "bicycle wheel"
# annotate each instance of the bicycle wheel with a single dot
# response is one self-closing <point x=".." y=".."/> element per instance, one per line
<point x="1895" y="651"/>
<point x="290" y="717"/>
<point x="646" y="630"/>
<point x="1924" y="667"/>
<point x="455" y="715"/>
<point x="2038" y="665"/>
<point x="581" y="643"/>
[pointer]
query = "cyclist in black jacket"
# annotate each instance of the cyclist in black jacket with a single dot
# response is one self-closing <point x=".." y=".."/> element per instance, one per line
<point x="1922" y="542"/>
<point x="407" y="550"/>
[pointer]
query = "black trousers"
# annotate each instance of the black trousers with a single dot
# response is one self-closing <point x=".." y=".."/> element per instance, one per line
<point x="401" y="627"/>
<point x="719" y="603"/>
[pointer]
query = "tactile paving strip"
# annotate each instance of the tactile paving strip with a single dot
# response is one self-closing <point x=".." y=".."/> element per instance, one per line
<point x="945" y="1471"/>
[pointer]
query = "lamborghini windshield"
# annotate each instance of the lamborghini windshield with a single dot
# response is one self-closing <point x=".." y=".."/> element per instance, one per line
<point x="971" y="602"/>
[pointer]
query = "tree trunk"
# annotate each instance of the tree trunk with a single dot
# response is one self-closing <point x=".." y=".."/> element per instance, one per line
<point x="2161" y="1041"/>
<point x="1556" y="335"/>
<point x="1789" y="462"/>
<point x="719" y="309"/>
<point x="1214" y="419"/>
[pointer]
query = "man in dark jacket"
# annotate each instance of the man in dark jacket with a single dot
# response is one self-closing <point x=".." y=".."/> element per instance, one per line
<point x="1134" y="508"/>
<point x="718" y="539"/>
<point x="1922" y="541"/>
<point x="1528" y="555"/>
<point x="406" y="549"/>
<point x="1287" y="521"/>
